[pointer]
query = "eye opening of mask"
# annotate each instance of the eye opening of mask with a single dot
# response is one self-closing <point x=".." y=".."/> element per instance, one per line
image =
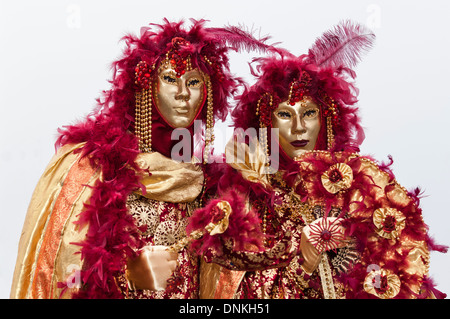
<point x="169" y="77"/>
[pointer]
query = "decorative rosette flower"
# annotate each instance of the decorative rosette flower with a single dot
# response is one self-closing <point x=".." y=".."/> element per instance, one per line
<point x="382" y="283"/>
<point x="227" y="219"/>
<point x="219" y="221"/>
<point x="325" y="233"/>
<point x="337" y="178"/>
<point x="219" y="218"/>
<point x="389" y="222"/>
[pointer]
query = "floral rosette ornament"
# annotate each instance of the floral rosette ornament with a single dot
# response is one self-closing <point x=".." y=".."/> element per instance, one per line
<point x="220" y="215"/>
<point x="325" y="233"/>
<point x="389" y="222"/>
<point x="338" y="177"/>
<point x="219" y="221"/>
<point x="382" y="283"/>
<point x="225" y="219"/>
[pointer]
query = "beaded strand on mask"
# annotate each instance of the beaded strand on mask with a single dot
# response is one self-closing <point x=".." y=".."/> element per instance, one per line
<point x="263" y="112"/>
<point x="143" y="107"/>
<point x="209" y="134"/>
<point x="331" y="118"/>
<point x="143" y="120"/>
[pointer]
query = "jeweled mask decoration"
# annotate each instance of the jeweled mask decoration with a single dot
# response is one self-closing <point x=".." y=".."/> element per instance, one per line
<point x="301" y="113"/>
<point x="178" y="91"/>
<point x="184" y="74"/>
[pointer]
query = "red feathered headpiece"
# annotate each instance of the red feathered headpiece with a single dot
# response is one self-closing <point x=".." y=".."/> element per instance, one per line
<point x="323" y="74"/>
<point x="207" y="49"/>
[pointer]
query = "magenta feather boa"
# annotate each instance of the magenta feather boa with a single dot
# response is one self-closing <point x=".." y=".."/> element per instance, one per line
<point x="243" y="230"/>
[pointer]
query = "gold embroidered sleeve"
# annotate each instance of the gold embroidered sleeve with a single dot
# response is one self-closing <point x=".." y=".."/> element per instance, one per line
<point x="278" y="255"/>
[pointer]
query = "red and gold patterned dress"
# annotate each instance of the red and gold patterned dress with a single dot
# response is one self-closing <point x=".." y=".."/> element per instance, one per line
<point x="164" y="224"/>
<point x="386" y="250"/>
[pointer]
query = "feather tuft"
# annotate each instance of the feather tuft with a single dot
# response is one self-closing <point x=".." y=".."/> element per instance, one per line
<point x="240" y="38"/>
<point x="243" y="227"/>
<point x="342" y="46"/>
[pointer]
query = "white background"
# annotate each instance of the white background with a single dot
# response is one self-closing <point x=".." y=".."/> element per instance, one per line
<point x="55" y="57"/>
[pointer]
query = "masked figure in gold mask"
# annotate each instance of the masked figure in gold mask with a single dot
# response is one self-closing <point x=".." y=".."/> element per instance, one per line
<point x="113" y="201"/>
<point x="335" y="224"/>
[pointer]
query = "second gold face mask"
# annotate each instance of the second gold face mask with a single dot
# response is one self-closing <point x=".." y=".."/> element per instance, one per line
<point x="298" y="125"/>
<point x="179" y="99"/>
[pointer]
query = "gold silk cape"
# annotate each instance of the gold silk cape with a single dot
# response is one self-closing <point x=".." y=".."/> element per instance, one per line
<point x="45" y="256"/>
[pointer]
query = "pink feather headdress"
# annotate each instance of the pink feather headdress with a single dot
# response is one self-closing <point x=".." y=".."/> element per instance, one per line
<point x="324" y="74"/>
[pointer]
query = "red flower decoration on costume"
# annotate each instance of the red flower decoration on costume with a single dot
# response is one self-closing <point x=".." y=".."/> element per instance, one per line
<point x="326" y="234"/>
<point x="389" y="222"/>
<point x="298" y="89"/>
<point x="382" y="283"/>
<point x="217" y="214"/>
<point x="337" y="178"/>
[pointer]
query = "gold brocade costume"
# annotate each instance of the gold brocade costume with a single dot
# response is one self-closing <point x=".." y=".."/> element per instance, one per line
<point x="386" y="254"/>
<point x="47" y="254"/>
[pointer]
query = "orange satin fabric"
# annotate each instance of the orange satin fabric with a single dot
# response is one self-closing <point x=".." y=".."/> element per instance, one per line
<point x="217" y="282"/>
<point x="45" y="247"/>
<point x="78" y="176"/>
<point x="228" y="283"/>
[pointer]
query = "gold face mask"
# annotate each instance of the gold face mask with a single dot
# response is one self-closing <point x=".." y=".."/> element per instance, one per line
<point x="179" y="99"/>
<point x="298" y="126"/>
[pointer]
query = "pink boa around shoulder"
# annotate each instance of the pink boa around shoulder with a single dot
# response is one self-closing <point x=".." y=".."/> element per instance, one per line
<point x="243" y="228"/>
